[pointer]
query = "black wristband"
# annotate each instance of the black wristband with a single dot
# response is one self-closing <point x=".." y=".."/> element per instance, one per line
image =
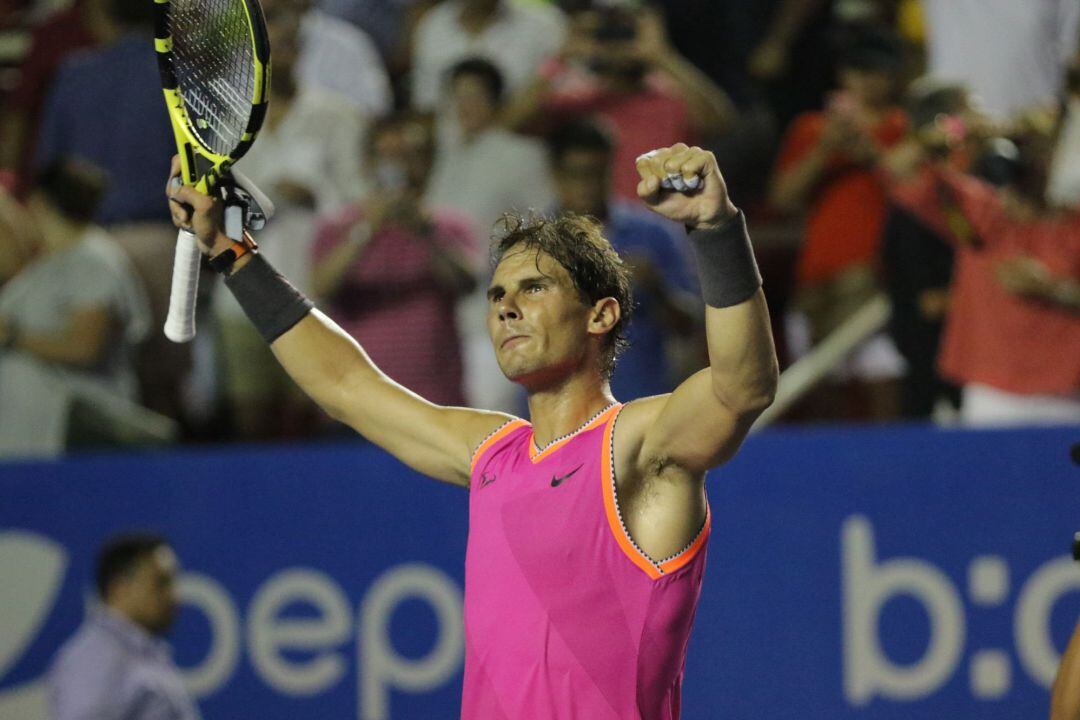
<point x="726" y="265"/>
<point x="269" y="300"/>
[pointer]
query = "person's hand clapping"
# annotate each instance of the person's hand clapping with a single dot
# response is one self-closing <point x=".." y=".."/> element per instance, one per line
<point x="704" y="203"/>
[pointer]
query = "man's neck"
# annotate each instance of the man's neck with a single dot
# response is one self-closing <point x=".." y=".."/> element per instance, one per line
<point x="122" y="620"/>
<point x="563" y="408"/>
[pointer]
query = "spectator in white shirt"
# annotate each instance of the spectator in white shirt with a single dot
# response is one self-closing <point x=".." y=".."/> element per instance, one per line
<point x="70" y="319"/>
<point x="337" y="56"/>
<point x="516" y="37"/>
<point x="486" y="170"/>
<point x="483" y="171"/>
<point x="1010" y="54"/>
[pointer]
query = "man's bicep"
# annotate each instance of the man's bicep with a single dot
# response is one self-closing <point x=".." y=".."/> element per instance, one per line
<point x="689" y="428"/>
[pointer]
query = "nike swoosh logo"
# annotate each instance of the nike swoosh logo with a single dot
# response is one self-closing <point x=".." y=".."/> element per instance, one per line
<point x="556" y="481"/>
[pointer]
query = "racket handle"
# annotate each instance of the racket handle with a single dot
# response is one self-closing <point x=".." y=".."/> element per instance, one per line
<point x="180" y="323"/>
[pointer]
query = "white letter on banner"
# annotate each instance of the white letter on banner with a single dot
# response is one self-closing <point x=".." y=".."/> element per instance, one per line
<point x="207" y="595"/>
<point x="1032" y="625"/>
<point x="867" y="586"/>
<point x="269" y="634"/>
<point x="381" y="668"/>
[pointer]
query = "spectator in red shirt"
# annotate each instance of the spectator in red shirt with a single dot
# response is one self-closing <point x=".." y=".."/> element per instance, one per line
<point x="392" y="270"/>
<point x="1012" y="336"/>
<point x="827" y="169"/>
<point x="619" y="65"/>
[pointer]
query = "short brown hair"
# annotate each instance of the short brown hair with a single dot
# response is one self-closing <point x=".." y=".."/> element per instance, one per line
<point x="121" y="553"/>
<point x="576" y="242"/>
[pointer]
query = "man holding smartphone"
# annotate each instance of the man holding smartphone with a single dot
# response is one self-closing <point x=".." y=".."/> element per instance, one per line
<point x="391" y="270"/>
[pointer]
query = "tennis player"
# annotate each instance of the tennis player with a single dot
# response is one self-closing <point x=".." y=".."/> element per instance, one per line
<point x="588" y="523"/>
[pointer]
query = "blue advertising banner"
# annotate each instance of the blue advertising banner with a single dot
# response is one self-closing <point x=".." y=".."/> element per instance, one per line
<point x="872" y="573"/>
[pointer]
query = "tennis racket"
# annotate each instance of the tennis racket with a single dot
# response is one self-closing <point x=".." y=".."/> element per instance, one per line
<point x="214" y="59"/>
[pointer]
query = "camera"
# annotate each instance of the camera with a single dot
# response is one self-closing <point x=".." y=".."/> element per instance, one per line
<point x="614" y="24"/>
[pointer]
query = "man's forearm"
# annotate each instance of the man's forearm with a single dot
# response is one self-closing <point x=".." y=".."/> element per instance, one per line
<point x="711" y="111"/>
<point x="1063" y="293"/>
<point x="742" y="358"/>
<point x="792" y="187"/>
<point x="328" y="274"/>
<point x="325" y="362"/>
<point x="61" y="350"/>
<point x="790" y="19"/>
<point x="83" y="344"/>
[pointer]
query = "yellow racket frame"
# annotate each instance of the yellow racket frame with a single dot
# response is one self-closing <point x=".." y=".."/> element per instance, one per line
<point x="187" y="140"/>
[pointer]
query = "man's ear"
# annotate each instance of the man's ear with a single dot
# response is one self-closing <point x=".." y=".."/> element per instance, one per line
<point x="604" y="315"/>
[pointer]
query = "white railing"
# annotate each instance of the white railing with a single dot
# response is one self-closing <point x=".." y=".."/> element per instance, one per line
<point x="805" y="373"/>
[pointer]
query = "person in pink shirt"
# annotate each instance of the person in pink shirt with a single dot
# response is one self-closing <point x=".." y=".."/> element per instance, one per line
<point x="588" y="523"/>
<point x="619" y="66"/>
<point x="391" y="269"/>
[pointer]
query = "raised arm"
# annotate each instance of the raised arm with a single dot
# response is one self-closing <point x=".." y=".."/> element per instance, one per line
<point x="704" y="421"/>
<point x="711" y="111"/>
<point x="332" y="368"/>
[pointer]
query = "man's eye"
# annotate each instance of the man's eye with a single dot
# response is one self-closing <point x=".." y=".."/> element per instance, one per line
<point x="534" y="288"/>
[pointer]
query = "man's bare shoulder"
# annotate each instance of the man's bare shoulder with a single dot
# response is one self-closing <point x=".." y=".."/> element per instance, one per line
<point x="481" y="426"/>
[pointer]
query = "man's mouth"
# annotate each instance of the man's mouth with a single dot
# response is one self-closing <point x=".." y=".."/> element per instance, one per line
<point x="513" y="338"/>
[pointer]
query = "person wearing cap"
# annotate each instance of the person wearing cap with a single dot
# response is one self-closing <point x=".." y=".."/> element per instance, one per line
<point x="827" y="170"/>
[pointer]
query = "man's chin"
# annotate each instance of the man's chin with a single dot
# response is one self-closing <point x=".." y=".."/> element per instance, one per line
<point x="162" y="627"/>
<point x="514" y="375"/>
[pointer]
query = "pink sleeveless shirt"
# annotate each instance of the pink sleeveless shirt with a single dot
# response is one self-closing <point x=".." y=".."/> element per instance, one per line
<point x="564" y="617"/>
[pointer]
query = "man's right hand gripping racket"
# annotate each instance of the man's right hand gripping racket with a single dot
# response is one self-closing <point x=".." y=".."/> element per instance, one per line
<point x="214" y="58"/>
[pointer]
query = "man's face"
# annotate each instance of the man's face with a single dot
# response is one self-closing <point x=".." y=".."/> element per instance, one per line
<point x="473" y="103"/>
<point x="870" y="88"/>
<point x="537" y="321"/>
<point x="406" y="150"/>
<point x="583" y="181"/>
<point x="147" y="595"/>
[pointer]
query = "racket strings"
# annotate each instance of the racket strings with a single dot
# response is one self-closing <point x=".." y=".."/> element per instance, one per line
<point x="214" y="63"/>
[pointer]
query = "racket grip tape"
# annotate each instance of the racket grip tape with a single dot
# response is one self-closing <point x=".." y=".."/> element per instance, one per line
<point x="180" y="322"/>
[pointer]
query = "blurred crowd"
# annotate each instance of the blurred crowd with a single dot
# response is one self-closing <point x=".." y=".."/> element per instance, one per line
<point x="920" y="152"/>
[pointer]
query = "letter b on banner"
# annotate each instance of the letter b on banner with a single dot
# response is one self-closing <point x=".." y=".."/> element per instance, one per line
<point x="868" y="585"/>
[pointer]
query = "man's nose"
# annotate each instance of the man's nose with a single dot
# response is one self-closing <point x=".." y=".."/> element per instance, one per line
<point x="508" y="309"/>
